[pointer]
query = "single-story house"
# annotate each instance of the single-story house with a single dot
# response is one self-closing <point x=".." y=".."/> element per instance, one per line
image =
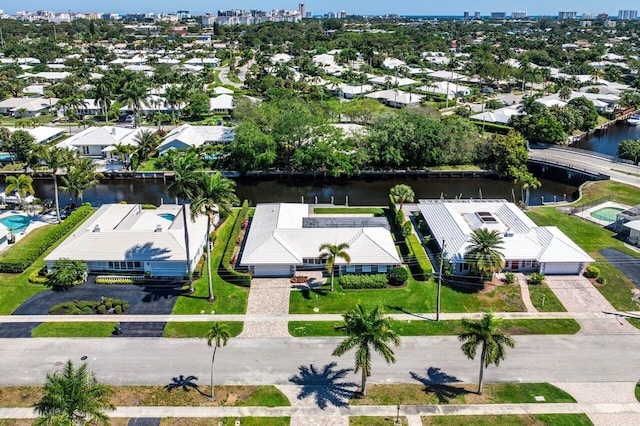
<point x="188" y="136"/>
<point x="450" y="90"/>
<point x="527" y="247"/>
<point x="127" y="238"/>
<point x="392" y="80"/>
<point x="221" y="103"/>
<point x="100" y="141"/>
<point x="283" y="238"/>
<point x="634" y="232"/>
<point x="27" y="107"/>
<point x="211" y="62"/>
<point x="350" y="91"/>
<point x="499" y="116"/>
<point x="42" y="134"/>
<point x="629" y="215"/>
<point x="396" y="98"/>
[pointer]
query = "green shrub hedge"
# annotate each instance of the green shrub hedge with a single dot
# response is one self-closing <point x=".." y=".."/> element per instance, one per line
<point x="357" y="282"/>
<point x="398" y="276"/>
<point x="37" y="277"/>
<point x="493" y="128"/>
<point x="592" y="272"/>
<point x="420" y="264"/>
<point x="15" y="264"/>
<point x="225" y="270"/>
<point x="89" y="307"/>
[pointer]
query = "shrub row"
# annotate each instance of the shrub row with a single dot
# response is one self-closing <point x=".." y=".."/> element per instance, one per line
<point x="493" y="128"/>
<point x="30" y="251"/>
<point x="226" y="272"/>
<point x="357" y="282"/>
<point x="38" y="277"/>
<point x="418" y="259"/>
<point x="118" y="281"/>
<point x="88" y="307"/>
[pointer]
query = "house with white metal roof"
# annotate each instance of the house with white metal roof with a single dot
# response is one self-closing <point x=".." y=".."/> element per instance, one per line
<point x="100" y="141"/>
<point x="283" y="238"/>
<point x="128" y="238"/>
<point x="27" y="107"/>
<point x="221" y="103"/>
<point x="188" y="136"/>
<point x="527" y="247"/>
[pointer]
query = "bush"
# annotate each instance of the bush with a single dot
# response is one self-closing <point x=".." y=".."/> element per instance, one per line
<point x="197" y="272"/>
<point x="592" y="272"/>
<point x="36" y="278"/>
<point x="118" y="309"/>
<point x="398" y="276"/>
<point x="400" y="219"/>
<point x="420" y="264"/>
<point x="601" y="280"/>
<point x="149" y="207"/>
<point x="510" y="277"/>
<point x="357" y="282"/>
<point x="101" y="310"/>
<point x="493" y="128"/>
<point x="536" y="278"/>
<point x="90" y="307"/>
<point x="226" y="273"/>
<point x="15" y="264"/>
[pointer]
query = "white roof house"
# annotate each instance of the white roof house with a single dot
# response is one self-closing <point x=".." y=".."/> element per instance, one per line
<point x="393" y="80"/>
<point x="96" y="141"/>
<point x="187" y="136"/>
<point x="349" y="91"/>
<point x="396" y="98"/>
<point x="499" y="116"/>
<point x="281" y="239"/>
<point x="27" y="107"/>
<point x="221" y="103"/>
<point x="450" y="90"/>
<point x="527" y="246"/>
<point x="42" y="134"/>
<point x="127" y="238"/>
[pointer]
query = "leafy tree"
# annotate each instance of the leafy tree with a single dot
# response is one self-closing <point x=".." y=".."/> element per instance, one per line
<point x="587" y="111"/>
<point x="199" y="105"/>
<point x="217" y="336"/>
<point x="20" y="144"/>
<point x="66" y="273"/>
<point x="217" y="194"/>
<point x="509" y="155"/>
<point x="367" y="332"/>
<point x="629" y="149"/>
<point x="329" y="253"/>
<point x="484" y="333"/>
<point x="484" y="253"/>
<point x="252" y="149"/>
<point x="73" y="397"/>
<point x="402" y="193"/>
<point x="22" y="185"/>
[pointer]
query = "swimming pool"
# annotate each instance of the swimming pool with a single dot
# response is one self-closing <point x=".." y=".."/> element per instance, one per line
<point x="607" y="214"/>
<point x="16" y="223"/>
<point x="170" y="217"/>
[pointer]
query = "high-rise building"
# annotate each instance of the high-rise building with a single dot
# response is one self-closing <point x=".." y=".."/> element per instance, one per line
<point x="627" y="14"/>
<point x="602" y="16"/>
<point x="302" y="9"/>
<point x="562" y="15"/>
<point x="518" y="15"/>
<point x="498" y="15"/>
<point x="476" y="15"/>
<point x="466" y="15"/>
<point x="183" y="14"/>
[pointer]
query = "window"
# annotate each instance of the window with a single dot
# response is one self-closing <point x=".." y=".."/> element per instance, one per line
<point x="464" y="267"/>
<point x="125" y="266"/>
<point x="366" y="268"/>
<point x="351" y="268"/>
<point x="382" y="268"/>
<point x="527" y="264"/>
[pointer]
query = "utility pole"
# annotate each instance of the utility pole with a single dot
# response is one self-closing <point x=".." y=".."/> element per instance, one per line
<point x="440" y="281"/>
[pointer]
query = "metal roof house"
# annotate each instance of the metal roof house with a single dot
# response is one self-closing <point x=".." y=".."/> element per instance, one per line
<point x="127" y="238"/>
<point x="282" y="238"/>
<point x="527" y="246"/>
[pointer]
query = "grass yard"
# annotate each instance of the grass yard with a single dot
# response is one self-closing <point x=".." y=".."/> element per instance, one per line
<point x="416" y="297"/>
<point x="591" y="238"/>
<point x="509" y="420"/>
<point x="228" y="421"/>
<point x="442" y="328"/>
<point x="198" y="329"/>
<point x="376" y="421"/>
<point x="620" y="192"/>
<point x="150" y="166"/>
<point x="74" y="329"/>
<point x="542" y="292"/>
<point x="230" y="298"/>
<point x="156" y="396"/>
<point x="457" y="393"/>
<point x="377" y="211"/>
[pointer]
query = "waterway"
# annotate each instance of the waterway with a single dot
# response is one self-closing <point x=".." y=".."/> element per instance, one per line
<point x="359" y="191"/>
<point x="607" y="142"/>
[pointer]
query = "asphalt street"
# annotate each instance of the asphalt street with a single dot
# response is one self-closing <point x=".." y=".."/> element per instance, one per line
<point x="155" y="361"/>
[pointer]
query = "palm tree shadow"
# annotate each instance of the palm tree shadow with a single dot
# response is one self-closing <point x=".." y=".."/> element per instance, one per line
<point x="186" y="383"/>
<point x="324" y="385"/>
<point x="438" y="383"/>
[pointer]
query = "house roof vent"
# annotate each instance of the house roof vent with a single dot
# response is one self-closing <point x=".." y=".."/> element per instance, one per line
<point x="96" y="228"/>
<point x="158" y="228"/>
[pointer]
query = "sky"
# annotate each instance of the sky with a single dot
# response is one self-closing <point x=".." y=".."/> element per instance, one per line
<point x="360" y="7"/>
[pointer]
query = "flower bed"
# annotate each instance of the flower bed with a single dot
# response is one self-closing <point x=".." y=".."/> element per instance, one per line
<point x="299" y="279"/>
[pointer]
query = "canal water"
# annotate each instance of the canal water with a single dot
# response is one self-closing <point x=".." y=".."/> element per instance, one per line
<point x="359" y="191"/>
<point x="607" y="142"/>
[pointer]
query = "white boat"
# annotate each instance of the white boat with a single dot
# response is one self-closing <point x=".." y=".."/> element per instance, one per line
<point x="634" y="120"/>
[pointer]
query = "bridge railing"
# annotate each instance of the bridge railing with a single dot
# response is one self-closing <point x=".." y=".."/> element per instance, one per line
<point x="594" y="175"/>
<point x="612" y="158"/>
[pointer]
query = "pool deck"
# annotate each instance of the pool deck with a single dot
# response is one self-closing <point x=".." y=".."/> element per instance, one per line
<point x="586" y="214"/>
<point x="37" y="221"/>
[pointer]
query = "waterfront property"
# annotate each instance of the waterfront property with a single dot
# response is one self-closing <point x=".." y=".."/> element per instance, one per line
<point x="188" y="136"/>
<point x="283" y="238"/>
<point x="606" y="213"/>
<point x="126" y="238"/>
<point x="14" y="225"/>
<point x="99" y="142"/>
<point x="527" y="247"/>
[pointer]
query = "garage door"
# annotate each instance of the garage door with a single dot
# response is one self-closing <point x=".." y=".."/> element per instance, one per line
<point x="272" y="271"/>
<point x="561" y="268"/>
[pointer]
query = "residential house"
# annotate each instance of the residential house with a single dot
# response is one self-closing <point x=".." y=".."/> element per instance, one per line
<point x="397" y="98"/>
<point x="450" y="90"/>
<point x="42" y="134"/>
<point x="27" y="107"/>
<point x="222" y="103"/>
<point x="99" y="142"/>
<point x="188" y="136"/>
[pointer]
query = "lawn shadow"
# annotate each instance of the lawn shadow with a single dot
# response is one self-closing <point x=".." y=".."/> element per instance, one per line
<point x="404" y="311"/>
<point x="325" y="385"/>
<point x="307" y="292"/>
<point x="155" y="293"/>
<point x="186" y="383"/>
<point x="438" y="383"/>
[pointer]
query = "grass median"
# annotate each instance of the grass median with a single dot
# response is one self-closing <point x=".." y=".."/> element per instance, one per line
<point x="198" y="329"/>
<point x="227" y="421"/>
<point x="509" y="420"/>
<point x="74" y="329"/>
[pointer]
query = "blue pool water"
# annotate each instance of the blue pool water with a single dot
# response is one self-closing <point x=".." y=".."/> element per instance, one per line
<point x="167" y="216"/>
<point x="16" y="223"/>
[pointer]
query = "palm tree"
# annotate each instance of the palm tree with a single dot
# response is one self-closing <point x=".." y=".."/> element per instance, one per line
<point x="147" y="144"/>
<point x="133" y="95"/>
<point x="564" y="93"/>
<point x="366" y="331"/>
<point x="185" y="187"/>
<point x="104" y="93"/>
<point x="217" y="195"/>
<point x="485" y="332"/>
<point x="217" y="336"/>
<point x="484" y="253"/>
<point x="329" y="253"/>
<point x="54" y="158"/>
<point x="73" y="396"/>
<point x="81" y="175"/>
<point x="402" y="193"/>
<point x="124" y="151"/>
<point x="22" y="185"/>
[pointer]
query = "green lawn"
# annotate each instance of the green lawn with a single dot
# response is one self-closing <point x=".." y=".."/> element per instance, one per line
<point x="227" y="421"/>
<point x="510" y="420"/>
<point x="416" y="297"/>
<point x="442" y="328"/>
<point x="74" y="329"/>
<point x="198" y="329"/>
<point x="620" y="192"/>
<point x="18" y="250"/>
<point x="230" y="299"/>
<point x="349" y="210"/>
<point x="591" y="238"/>
<point x="540" y="293"/>
<point x="376" y="421"/>
<point x="150" y="166"/>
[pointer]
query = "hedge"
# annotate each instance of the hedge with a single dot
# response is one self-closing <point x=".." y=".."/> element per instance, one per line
<point x="89" y="307"/>
<point x="398" y="276"/>
<point x="357" y="282"/>
<point x="226" y="271"/>
<point x="15" y="264"/>
<point x="492" y="127"/>
<point x="420" y="264"/>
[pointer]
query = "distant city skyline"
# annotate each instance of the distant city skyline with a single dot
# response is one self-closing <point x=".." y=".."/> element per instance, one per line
<point x="359" y="7"/>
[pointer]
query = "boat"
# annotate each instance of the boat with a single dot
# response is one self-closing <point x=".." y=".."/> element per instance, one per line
<point x="633" y="120"/>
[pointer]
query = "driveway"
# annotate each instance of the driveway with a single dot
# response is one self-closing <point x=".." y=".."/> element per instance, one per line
<point x="144" y="300"/>
<point x="627" y="264"/>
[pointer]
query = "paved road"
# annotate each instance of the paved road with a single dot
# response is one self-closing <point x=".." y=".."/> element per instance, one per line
<point x="151" y="361"/>
<point x="589" y="162"/>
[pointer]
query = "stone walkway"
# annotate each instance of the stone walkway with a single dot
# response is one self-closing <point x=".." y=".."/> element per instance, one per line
<point x="524" y="289"/>
<point x="268" y="297"/>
